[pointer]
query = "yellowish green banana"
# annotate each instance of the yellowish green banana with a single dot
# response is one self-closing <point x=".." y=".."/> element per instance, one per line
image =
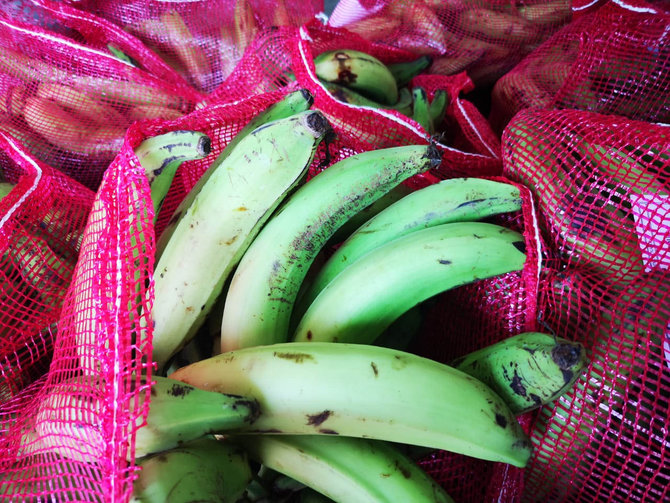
<point x="202" y="470"/>
<point x="367" y="296"/>
<point x="227" y="212"/>
<point x="264" y="287"/>
<point x="345" y="469"/>
<point x="358" y="390"/>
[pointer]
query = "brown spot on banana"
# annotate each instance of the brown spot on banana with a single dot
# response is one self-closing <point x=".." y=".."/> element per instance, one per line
<point x="296" y="357"/>
<point x="318" y="419"/>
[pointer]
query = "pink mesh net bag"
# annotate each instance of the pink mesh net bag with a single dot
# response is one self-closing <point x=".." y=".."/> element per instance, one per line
<point x="202" y="41"/>
<point x="485" y="38"/>
<point x="614" y="60"/>
<point x="283" y="58"/>
<point x="70" y="101"/>
<point x="602" y="189"/>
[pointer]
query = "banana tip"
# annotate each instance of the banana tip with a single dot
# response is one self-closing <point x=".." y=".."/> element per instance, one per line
<point x="434" y="155"/>
<point x="205" y="145"/>
<point x="307" y="96"/>
<point x="317" y="123"/>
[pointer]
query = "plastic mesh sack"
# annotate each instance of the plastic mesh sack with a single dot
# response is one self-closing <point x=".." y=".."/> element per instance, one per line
<point x="602" y="190"/>
<point x="203" y="40"/>
<point x="71" y="102"/>
<point x="614" y="60"/>
<point x="283" y="58"/>
<point x="485" y="38"/>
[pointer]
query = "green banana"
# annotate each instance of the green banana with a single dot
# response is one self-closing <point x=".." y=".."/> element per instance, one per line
<point x="266" y="283"/>
<point x="453" y="200"/>
<point x="420" y="109"/>
<point x="161" y="155"/>
<point x="205" y="469"/>
<point x="345" y="469"/>
<point x="223" y="219"/>
<point x="404" y="72"/>
<point x="359" y="71"/>
<point x="5" y="189"/>
<point x="437" y="108"/>
<point x="291" y="104"/>
<point x="67" y="419"/>
<point x="365" y="391"/>
<point x="367" y="296"/>
<point x="527" y="370"/>
<point x="347" y="95"/>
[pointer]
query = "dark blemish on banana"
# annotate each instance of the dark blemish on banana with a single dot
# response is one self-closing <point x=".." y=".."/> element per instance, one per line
<point x="326" y="431"/>
<point x="165" y="164"/>
<point x="517" y="386"/>
<point x="567" y="375"/>
<point x="501" y="420"/>
<point x="470" y="203"/>
<point x="179" y="390"/>
<point x="535" y="398"/>
<point x="375" y="370"/>
<point x="296" y="357"/>
<point x="444" y="261"/>
<point x="566" y="355"/>
<point x="317" y="419"/>
<point x="153" y="391"/>
<point x="530" y="350"/>
<point x="269" y="430"/>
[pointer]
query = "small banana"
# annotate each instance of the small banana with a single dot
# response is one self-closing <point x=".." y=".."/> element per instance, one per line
<point x="437" y="108"/>
<point x="222" y="220"/>
<point x="420" y="109"/>
<point x="345" y="469"/>
<point x="359" y="390"/>
<point x="404" y="72"/>
<point x="453" y="200"/>
<point x="366" y="297"/>
<point x="359" y="71"/>
<point x="527" y="370"/>
<point x="266" y="283"/>
<point x="205" y="469"/>
<point x="163" y="154"/>
<point x="68" y="419"/>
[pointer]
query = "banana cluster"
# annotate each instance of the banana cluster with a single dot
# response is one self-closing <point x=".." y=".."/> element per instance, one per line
<point x="270" y="342"/>
<point x="361" y="80"/>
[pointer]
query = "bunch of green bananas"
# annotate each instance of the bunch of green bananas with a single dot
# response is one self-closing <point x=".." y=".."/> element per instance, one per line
<point x="360" y="79"/>
<point x="293" y="379"/>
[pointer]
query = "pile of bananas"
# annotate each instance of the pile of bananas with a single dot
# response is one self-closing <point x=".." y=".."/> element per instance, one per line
<point x="359" y="79"/>
<point x="279" y="377"/>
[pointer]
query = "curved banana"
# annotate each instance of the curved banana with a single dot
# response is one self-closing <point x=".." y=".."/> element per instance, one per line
<point x="265" y="285"/>
<point x="366" y="297"/>
<point x="68" y="419"/>
<point x="161" y="155"/>
<point x="222" y="220"/>
<point x="345" y="469"/>
<point x="359" y="71"/>
<point x="453" y="200"/>
<point x="365" y="391"/>
<point x="293" y="103"/>
<point x="206" y="469"/>
<point x="527" y="370"/>
<point x="405" y="71"/>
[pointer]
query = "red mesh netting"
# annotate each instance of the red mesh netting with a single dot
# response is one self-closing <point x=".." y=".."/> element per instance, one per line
<point x="602" y="188"/>
<point x="70" y="102"/>
<point x="469" y="146"/>
<point x="204" y="40"/>
<point x="485" y="38"/>
<point x="615" y="60"/>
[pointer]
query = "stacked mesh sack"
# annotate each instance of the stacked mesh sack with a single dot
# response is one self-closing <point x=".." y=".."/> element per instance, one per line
<point x="92" y="213"/>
